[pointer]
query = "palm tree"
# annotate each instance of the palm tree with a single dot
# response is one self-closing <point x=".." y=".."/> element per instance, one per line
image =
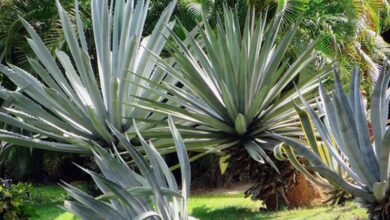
<point x="42" y="15"/>
<point x="349" y="31"/>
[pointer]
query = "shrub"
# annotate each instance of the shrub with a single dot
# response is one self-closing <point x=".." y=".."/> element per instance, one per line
<point x="13" y="202"/>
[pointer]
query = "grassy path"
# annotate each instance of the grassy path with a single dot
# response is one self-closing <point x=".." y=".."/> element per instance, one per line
<point x="47" y="200"/>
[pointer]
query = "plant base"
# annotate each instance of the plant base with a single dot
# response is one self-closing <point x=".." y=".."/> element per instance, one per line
<point x="301" y="194"/>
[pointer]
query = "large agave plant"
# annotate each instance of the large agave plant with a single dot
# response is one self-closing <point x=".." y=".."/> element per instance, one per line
<point x="73" y="95"/>
<point x="150" y="194"/>
<point x="236" y="86"/>
<point x="365" y="160"/>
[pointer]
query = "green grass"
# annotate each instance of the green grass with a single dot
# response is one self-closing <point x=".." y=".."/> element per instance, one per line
<point x="233" y="207"/>
<point x="47" y="200"/>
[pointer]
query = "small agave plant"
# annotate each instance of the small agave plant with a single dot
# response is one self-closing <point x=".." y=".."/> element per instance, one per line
<point x="151" y="193"/>
<point x="365" y="160"/>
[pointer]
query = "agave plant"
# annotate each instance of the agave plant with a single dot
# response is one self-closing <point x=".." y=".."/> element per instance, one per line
<point x="150" y="194"/>
<point x="74" y="95"/>
<point x="235" y="87"/>
<point x="366" y="161"/>
<point x="285" y="153"/>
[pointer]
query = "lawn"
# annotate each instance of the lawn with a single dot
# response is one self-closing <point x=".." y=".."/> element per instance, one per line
<point x="47" y="200"/>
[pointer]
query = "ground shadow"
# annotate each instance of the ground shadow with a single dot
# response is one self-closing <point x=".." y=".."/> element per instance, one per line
<point x="226" y="213"/>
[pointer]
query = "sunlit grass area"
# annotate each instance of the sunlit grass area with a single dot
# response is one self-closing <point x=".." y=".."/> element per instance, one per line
<point x="235" y="206"/>
<point x="48" y="200"/>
